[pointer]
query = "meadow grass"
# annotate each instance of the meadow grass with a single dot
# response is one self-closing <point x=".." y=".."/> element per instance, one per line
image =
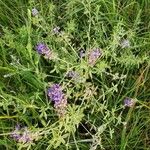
<point x="95" y="117"/>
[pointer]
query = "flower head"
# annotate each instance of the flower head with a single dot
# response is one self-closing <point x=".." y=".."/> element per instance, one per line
<point x="26" y="136"/>
<point x="22" y="135"/>
<point x="34" y="12"/>
<point x="60" y="102"/>
<point x="55" y="93"/>
<point x="94" y="55"/>
<point x="129" y="102"/>
<point x="61" y="107"/>
<point x="125" y="43"/>
<point x="43" y="49"/>
<point x="16" y="134"/>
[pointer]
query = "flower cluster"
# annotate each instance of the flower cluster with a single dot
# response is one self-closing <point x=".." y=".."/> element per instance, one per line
<point x="22" y="135"/>
<point x="56" y="94"/>
<point x="129" y="102"/>
<point x="43" y="49"/>
<point x="94" y="55"/>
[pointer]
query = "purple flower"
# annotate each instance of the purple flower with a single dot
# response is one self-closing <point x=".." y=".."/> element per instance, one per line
<point x="26" y="136"/>
<point x="60" y="102"/>
<point x="43" y="49"/>
<point x="129" y="102"/>
<point x="34" y="12"/>
<point x="16" y="133"/>
<point x="56" y="30"/>
<point x="61" y="107"/>
<point x="21" y="135"/>
<point x="55" y="93"/>
<point x="94" y="55"/>
<point x="125" y="43"/>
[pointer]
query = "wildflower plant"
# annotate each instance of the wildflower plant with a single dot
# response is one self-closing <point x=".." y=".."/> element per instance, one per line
<point x="98" y="55"/>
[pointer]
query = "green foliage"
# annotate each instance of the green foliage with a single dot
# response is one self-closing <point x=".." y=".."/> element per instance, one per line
<point x="95" y="117"/>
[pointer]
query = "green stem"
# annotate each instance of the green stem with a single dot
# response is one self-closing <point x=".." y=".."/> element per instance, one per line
<point x="123" y="136"/>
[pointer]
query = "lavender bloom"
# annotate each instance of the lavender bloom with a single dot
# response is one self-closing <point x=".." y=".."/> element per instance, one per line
<point x="34" y="12"/>
<point x="94" y="55"/>
<point x="16" y="133"/>
<point x="55" y="93"/>
<point x="21" y="135"/>
<point x="125" y="43"/>
<point x="60" y="102"/>
<point x="56" y="30"/>
<point x="61" y="107"/>
<point x="129" y="102"/>
<point x="26" y="136"/>
<point x="43" y="49"/>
